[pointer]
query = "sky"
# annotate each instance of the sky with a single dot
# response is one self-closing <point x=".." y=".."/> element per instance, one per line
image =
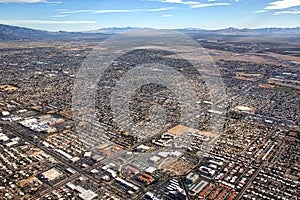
<point x="84" y="15"/>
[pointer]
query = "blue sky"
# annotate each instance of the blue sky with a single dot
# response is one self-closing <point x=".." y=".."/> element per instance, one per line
<point x="83" y="15"/>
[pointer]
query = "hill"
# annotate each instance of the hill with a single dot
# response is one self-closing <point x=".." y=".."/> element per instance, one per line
<point x="8" y="33"/>
<point x="15" y="33"/>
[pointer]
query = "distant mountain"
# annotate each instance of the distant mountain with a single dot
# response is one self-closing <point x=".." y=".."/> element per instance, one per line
<point x="234" y="32"/>
<point x="8" y="32"/>
<point x="13" y="33"/>
<point x="8" y="37"/>
<point x="21" y="32"/>
<point x="111" y="30"/>
<point x="259" y="31"/>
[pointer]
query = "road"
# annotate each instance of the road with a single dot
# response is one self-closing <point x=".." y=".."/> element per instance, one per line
<point x="56" y="186"/>
<point x="11" y="129"/>
<point x="240" y="195"/>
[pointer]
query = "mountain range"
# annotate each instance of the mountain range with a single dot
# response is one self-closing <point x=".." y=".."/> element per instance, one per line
<point x="15" y="33"/>
<point x="12" y="33"/>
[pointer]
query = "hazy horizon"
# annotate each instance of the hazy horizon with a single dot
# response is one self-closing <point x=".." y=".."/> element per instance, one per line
<point x="130" y="27"/>
<point x="65" y="15"/>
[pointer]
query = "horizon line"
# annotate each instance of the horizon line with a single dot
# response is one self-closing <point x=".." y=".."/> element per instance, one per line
<point x="132" y="27"/>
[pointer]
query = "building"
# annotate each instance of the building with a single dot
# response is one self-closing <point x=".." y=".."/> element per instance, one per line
<point x="192" y="178"/>
<point x="82" y="193"/>
<point x="131" y="170"/>
<point x="207" y="171"/>
<point x="154" y="159"/>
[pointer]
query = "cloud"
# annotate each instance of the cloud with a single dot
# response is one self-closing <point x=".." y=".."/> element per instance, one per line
<point x="23" y="1"/>
<point x="160" y="9"/>
<point x="118" y="11"/>
<point x="282" y="4"/>
<point x="180" y="2"/>
<point x="21" y="22"/>
<point x="167" y="15"/>
<point x="53" y="2"/>
<point x="135" y="10"/>
<point x="29" y="1"/>
<point x="76" y="11"/>
<point x="194" y="4"/>
<point x="260" y="11"/>
<point x="287" y="12"/>
<point x="200" y="5"/>
<point x="175" y="1"/>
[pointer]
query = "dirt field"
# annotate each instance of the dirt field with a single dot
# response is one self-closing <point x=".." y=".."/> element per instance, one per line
<point x="180" y="129"/>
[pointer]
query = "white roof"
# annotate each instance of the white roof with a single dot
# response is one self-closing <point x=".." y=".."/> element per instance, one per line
<point x="5" y="113"/>
<point x="88" y="154"/>
<point x="176" y="153"/>
<point x="163" y="154"/>
<point x="143" y="147"/>
<point x="150" y="169"/>
<point x="154" y="158"/>
<point x="88" y="195"/>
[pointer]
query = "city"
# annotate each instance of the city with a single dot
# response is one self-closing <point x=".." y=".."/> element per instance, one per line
<point x="44" y="158"/>
<point x="216" y="116"/>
